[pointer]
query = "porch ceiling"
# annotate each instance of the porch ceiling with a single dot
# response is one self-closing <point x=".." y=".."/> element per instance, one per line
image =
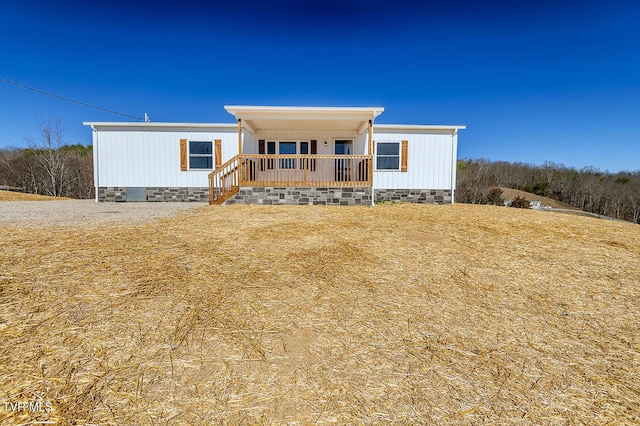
<point x="305" y="118"/>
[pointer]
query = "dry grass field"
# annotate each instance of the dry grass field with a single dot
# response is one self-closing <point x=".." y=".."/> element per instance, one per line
<point x="397" y="314"/>
<point x="21" y="196"/>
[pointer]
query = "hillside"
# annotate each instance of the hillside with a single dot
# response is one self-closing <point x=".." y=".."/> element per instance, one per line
<point x="407" y="314"/>
<point x="508" y="193"/>
<point x="21" y="196"/>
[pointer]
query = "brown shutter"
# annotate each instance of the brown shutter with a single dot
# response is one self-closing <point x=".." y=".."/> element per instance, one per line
<point x="261" y="150"/>
<point x="314" y="150"/>
<point x="404" y="156"/>
<point x="183" y="154"/>
<point x="218" y="144"/>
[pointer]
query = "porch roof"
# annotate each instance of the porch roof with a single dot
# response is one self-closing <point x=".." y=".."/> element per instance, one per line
<point x="256" y="118"/>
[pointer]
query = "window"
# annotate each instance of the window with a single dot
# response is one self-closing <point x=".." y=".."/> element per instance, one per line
<point x="287" y="148"/>
<point x="200" y="155"/>
<point x="388" y="156"/>
<point x="271" y="147"/>
<point x="304" y="150"/>
<point x="271" y="150"/>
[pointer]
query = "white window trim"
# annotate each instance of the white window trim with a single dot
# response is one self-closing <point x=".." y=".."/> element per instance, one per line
<point x="189" y="155"/>
<point x="375" y="159"/>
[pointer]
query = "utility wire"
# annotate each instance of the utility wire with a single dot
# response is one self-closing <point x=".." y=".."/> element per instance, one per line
<point x="69" y="100"/>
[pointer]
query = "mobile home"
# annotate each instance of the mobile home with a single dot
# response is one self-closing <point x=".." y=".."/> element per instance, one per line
<point x="277" y="155"/>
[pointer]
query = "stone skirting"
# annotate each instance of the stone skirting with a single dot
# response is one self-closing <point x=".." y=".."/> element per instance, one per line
<point x="333" y="196"/>
<point x="119" y="194"/>
<point x="112" y="193"/>
<point x="302" y="196"/>
<point x="422" y="196"/>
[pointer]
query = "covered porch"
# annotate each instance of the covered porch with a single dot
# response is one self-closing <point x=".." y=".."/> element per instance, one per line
<point x="298" y="147"/>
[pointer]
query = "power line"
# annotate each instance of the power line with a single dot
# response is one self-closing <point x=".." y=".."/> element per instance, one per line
<point x="70" y="100"/>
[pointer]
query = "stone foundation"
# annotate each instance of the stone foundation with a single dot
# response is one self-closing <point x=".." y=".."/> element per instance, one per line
<point x="280" y="195"/>
<point x="302" y="196"/>
<point x="422" y="196"/>
<point x="119" y="194"/>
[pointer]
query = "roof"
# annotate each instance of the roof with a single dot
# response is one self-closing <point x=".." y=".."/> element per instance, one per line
<point x="304" y="118"/>
<point x="452" y="128"/>
<point x="154" y="124"/>
<point x="256" y="118"/>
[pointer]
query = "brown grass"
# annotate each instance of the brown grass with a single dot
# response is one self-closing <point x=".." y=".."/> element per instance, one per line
<point x="402" y="314"/>
<point x="21" y="196"/>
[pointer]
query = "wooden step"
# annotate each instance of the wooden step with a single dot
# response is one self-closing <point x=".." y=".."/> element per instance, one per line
<point x="225" y="196"/>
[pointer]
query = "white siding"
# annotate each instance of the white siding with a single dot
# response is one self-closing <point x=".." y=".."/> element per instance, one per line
<point x="431" y="158"/>
<point x="249" y="142"/>
<point x="148" y="158"/>
<point x="359" y="141"/>
<point x="143" y="157"/>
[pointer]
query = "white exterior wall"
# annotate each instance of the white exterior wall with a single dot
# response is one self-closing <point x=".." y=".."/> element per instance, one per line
<point x="249" y="142"/>
<point x="151" y="157"/>
<point x="431" y="162"/>
<point x="359" y="141"/>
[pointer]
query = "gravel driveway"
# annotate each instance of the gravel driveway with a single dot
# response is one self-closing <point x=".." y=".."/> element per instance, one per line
<point x="31" y="214"/>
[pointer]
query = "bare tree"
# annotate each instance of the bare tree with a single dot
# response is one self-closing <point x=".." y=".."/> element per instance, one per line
<point x="49" y="155"/>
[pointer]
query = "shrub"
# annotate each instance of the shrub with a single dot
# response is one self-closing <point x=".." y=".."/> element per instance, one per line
<point x="495" y="196"/>
<point x="520" y="203"/>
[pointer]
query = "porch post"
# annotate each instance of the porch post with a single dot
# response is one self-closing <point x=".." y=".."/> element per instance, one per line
<point x="239" y="136"/>
<point x="239" y="151"/>
<point x="370" y="171"/>
<point x="370" y="137"/>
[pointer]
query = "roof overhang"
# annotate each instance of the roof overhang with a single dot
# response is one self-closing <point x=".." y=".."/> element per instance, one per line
<point x="157" y="125"/>
<point x="256" y="118"/>
<point x="420" y="127"/>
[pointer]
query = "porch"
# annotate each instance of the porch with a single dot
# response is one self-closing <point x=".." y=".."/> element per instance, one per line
<point x="276" y="170"/>
<point x="282" y="147"/>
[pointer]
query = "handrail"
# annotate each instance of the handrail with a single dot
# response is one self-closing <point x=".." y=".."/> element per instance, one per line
<point x="223" y="180"/>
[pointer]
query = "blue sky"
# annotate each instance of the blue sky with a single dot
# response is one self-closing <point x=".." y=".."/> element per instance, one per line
<point x="533" y="81"/>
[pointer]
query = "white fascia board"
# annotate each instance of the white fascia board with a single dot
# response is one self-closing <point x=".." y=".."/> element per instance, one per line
<point x="152" y="125"/>
<point x="416" y="127"/>
<point x="251" y="108"/>
<point x="292" y="112"/>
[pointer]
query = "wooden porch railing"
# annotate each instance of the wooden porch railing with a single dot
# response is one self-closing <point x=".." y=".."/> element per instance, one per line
<point x="260" y="170"/>
<point x="306" y="170"/>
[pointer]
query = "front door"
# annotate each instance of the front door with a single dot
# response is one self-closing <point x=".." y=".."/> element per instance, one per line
<point x="343" y="166"/>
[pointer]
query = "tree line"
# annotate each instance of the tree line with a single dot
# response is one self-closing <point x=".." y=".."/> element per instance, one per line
<point x="49" y="166"/>
<point x="615" y="195"/>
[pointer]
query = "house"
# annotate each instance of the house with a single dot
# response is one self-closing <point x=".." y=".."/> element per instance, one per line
<point x="277" y="155"/>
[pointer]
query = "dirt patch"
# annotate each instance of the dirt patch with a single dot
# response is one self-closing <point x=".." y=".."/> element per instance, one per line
<point x="83" y="213"/>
